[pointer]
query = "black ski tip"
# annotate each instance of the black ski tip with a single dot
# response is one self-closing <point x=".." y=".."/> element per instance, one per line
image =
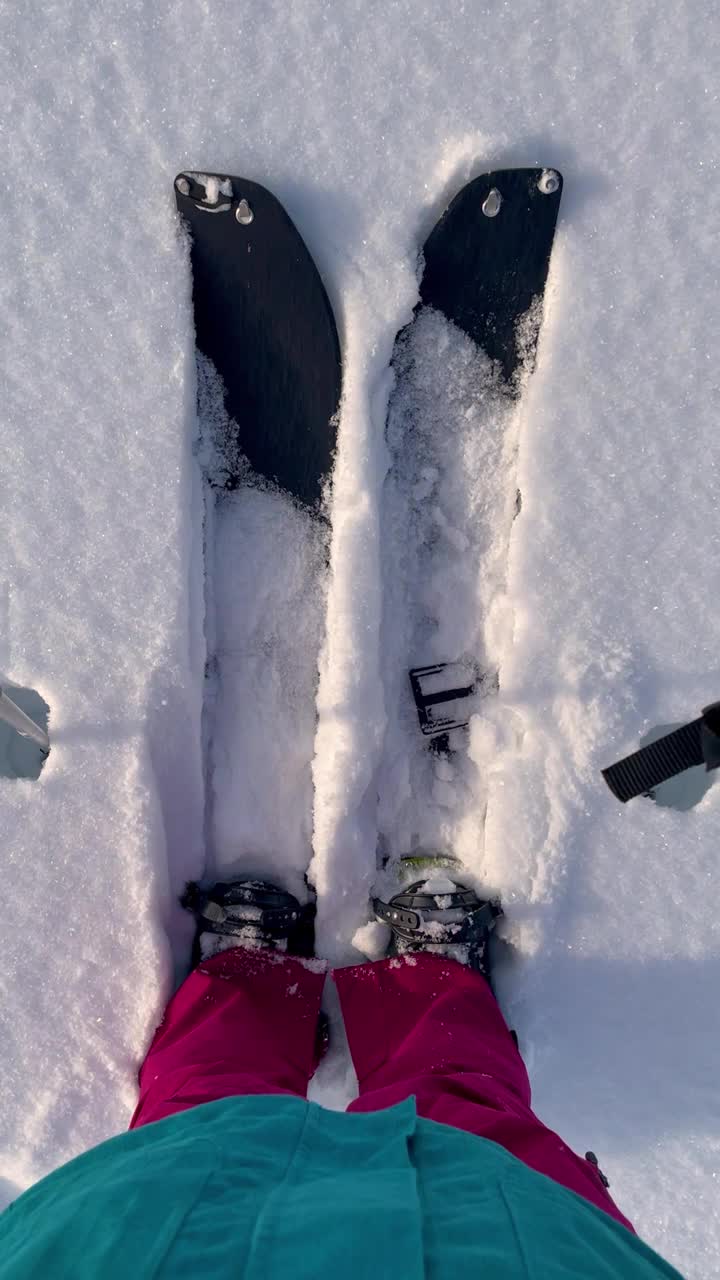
<point x="264" y="320"/>
<point x="487" y="258"/>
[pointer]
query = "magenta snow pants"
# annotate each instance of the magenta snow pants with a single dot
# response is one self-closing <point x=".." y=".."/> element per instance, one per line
<point x="245" y="1022"/>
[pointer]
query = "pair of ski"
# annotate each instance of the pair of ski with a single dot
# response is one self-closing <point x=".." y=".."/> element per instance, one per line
<point x="269" y="394"/>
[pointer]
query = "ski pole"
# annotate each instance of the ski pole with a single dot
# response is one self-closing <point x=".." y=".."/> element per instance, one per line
<point x="22" y="723"/>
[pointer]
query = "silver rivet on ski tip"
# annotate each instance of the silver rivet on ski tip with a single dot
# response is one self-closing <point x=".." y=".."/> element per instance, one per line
<point x="244" y="213"/>
<point x="549" y="182"/>
<point x="183" y="186"/>
<point x="491" y="203"/>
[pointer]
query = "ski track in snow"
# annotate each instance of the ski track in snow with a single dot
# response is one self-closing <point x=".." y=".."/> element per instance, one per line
<point x="447" y="508"/>
<point x="265" y="582"/>
<point x="269" y="560"/>
<point x="364" y="121"/>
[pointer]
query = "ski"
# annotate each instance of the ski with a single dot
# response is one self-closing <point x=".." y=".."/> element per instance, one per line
<point x="269" y="381"/>
<point x="264" y="322"/>
<point x="268" y="391"/>
<point x="449" y="501"/>
<point x="486" y="263"/>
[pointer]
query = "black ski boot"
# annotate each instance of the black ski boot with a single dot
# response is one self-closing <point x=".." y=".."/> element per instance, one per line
<point x="438" y="914"/>
<point x="249" y="913"/>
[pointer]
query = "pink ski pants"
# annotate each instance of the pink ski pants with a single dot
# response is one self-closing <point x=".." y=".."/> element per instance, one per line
<point x="245" y="1022"/>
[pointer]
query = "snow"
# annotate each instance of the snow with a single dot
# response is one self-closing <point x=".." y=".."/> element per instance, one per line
<point x="268" y="612"/>
<point x="598" y="608"/>
<point x="440" y="884"/>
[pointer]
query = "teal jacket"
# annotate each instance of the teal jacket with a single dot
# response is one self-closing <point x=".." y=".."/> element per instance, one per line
<point x="275" y="1188"/>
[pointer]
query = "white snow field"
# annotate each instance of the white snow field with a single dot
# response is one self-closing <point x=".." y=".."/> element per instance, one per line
<point x="597" y="604"/>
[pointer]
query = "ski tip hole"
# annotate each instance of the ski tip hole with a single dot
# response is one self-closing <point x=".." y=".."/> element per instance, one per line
<point x="182" y="185"/>
<point x="549" y="182"/>
<point x="491" y="203"/>
<point x="244" y="213"/>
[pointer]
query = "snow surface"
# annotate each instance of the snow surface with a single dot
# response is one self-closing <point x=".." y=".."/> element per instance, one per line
<point x="364" y="120"/>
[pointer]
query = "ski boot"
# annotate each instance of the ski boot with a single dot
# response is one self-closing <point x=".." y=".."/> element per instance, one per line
<point x="253" y="913"/>
<point x="248" y="913"/>
<point x="439" y="914"/>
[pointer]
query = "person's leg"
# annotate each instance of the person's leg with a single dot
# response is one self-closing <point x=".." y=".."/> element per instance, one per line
<point x="428" y="1026"/>
<point x="244" y="1021"/>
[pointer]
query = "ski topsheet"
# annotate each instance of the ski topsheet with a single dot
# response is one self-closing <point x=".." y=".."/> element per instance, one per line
<point x="486" y="263"/>
<point x="448" y="504"/>
<point x="264" y="322"/>
<point x="269" y="375"/>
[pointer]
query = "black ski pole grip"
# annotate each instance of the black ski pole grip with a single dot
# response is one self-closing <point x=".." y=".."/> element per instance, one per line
<point x="697" y="742"/>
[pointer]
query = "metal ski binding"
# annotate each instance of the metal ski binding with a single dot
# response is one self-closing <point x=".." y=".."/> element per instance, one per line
<point x="437" y="685"/>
